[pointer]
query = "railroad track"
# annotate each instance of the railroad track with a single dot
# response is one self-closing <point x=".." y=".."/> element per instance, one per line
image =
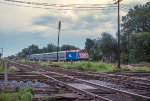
<point x="96" y="91"/>
<point x="56" y="90"/>
<point x="123" y="80"/>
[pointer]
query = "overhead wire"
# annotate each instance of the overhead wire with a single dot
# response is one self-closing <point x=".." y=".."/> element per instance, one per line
<point x="50" y="6"/>
<point x="61" y="5"/>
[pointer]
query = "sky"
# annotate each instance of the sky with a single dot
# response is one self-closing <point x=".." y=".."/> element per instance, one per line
<point x="21" y="26"/>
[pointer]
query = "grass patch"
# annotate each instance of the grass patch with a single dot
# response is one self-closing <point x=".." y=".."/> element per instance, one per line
<point x="61" y="91"/>
<point x="24" y="94"/>
<point x="1" y="65"/>
<point x="99" y="66"/>
<point x="11" y="69"/>
<point x="9" y="97"/>
<point x="137" y="68"/>
<point x="83" y="66"/>
<point x="90" y="66"/>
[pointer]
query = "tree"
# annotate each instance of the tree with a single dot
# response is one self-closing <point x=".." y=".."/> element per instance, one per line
<point x="43" y="50"/>
<point x="94" y="51"/>
<point x="105" y="46"/>
<point x="89" y="43"/>
<point x="140" y="47"/>
<point x="33" y="49"/>
<point x="137" y="19"/>
<point x="51" y="47"/>
<point x="108" y="45"/>
<point x="68" y="47"/>
<point x="25" y="52"/>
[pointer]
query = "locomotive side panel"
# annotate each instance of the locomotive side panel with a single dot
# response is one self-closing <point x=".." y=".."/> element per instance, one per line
<point x="71" y="56"/>
<point x="82" y="55"/>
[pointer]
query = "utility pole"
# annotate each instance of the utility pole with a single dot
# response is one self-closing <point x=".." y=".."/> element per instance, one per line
<point x="118" y="2"/>
<point x="5" y="74"/>
<point x="128" y="49"/>
<point x="59" y="26"/>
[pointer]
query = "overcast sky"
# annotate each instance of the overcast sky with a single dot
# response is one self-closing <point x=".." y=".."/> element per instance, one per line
<point x="22" y="26"/>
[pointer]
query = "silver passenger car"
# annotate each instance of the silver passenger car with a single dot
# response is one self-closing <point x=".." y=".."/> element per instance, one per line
<point x="49" y="56"/>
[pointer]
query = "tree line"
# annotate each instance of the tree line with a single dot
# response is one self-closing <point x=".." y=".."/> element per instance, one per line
<point x="135" y="39"/>
<point x="104" y="47"/>
<point x="34" y="49"/>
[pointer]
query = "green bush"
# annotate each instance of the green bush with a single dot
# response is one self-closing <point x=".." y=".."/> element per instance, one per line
<point x="1" y="65"/>
<point x="24" y="94"/>
<point x="27" y="96"/>
<point x="9" y="97"/>
<point x="24" y="90"/>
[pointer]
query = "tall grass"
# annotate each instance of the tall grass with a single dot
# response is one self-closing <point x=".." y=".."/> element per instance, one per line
<point x="24" y="94"/>
<point x="90" y="66"/>
<point x="9" y="97"/>
<point x="1" y="65"/>
<point x="137" y="68"/>
<point x="85" y="65"/>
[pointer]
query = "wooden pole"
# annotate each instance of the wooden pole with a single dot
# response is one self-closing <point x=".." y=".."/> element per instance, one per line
<point x="5" y="74"/>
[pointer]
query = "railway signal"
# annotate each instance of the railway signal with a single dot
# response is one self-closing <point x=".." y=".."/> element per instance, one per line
<point x="59" y="27"/>
<point x="1" y="54"/>
<point x="118" y="2"/>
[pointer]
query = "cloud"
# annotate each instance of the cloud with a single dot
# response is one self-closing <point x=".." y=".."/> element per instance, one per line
<point x="23" y="26"/>
<point x="75" y="20"/>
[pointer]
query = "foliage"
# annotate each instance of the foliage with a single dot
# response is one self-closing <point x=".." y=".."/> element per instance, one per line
<point x="61" y="91"/>
<point x="95" y="51"/>
<point x="25" y="94"/>
<point x="1" y="65"/>
<point x="133" y="22"/>
<point x="51" y="48"/>
<point x="33" y="49"/>
<point x="140" y="47"/>
<point x="9" y="97"/>
<point x="11" y="69"/>
<point x="68" y="47"/>
<point x="108" y="46"/>
<point x="103" y="47"/>
<point x="89" y="43"/>
<point x="124" y="57"/>
<point x="28" y="89"/>
<point x="136" y="68"/>
<point x="85" y="66"/>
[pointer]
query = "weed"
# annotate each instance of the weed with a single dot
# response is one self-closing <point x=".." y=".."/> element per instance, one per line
<point x="61" y="91"/>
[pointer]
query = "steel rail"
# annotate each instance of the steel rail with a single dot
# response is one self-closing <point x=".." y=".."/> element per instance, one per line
<point x="106" y="87"/>
<point x="122" y="81"/>
<point x="101" y="86"/>
<point x="76" y="89"/>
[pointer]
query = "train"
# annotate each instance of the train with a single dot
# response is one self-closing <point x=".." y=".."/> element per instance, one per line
<point x="69" y="55"/>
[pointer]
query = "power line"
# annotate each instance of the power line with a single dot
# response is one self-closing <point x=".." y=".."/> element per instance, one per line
<point x="62" y="5"/>
<point x="58" y="5"/>
<point x="50" y="4"/>
<point x="59" y="8"/>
